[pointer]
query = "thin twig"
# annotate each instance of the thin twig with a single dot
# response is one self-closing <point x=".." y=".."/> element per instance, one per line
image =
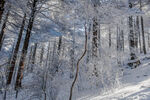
<point x="77" y="69"/>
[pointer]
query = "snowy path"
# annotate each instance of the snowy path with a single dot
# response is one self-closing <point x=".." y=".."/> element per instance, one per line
<point x="136" y="85"/>
<point x="141" y="91"/>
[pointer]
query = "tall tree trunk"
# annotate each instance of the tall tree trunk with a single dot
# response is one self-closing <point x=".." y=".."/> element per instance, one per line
<point x="30" y="58"/>
<point x="46" y="72"/>
<point x="142" y="28"/>
<point x="138" y="32"/>
<point x="41" y="56"/>
<point x="2" y="3"/>
<point x="99" y="39"/>
<point x="132" y="43"/>
<point x="109" y="37"/>
<point x="25" y="46"/>
<point x="122" y="40"/>
<point x="148" y="40"/>
<point x="14" y="58"/>
<point x="3" y="40"/>
<point x="95" y="33"/>
<point x="72" y="55"/>
<point x="122" y="37"/>
<point x="117" y="39"/>
<point x="59" y="45"/>
<point x="3" y="29"/>
<point x="131" y="36"/>
<point x="53" y="53"/>
<point x="34" y="54"/>
<point x="89" y="42"/>
<point x="95" y="38"/>
<point x="33" y="58"/>
<point x="119" y="45"/>
<point x="143" y="35"/>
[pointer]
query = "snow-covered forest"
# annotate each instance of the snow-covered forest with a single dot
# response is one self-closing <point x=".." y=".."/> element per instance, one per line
<point x="74" y="49"/>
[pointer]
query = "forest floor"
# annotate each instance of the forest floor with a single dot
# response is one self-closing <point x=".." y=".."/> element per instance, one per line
<point x="135" y="84"/>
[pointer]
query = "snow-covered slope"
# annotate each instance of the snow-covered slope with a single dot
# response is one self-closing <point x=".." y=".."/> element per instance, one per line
<point x="135" y="85"/>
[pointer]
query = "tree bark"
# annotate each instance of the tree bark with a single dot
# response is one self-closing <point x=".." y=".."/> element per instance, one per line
<point x="72" y="55"/>
<point x="29" y="58"/>
<point x="136" y="33"/>
<point x="41" y="56"/>
<point x="139" y="34"/>
<point x="3" y="29"/>
<point x="143" y="35"/>
<point x="122" y="40"/>
<point x="132" y="43"/>
<point x="34" y="54"/>
<point x="14" y="58"/>
<point x="25" y="46"/>
<point x="95" y="38"/>
<point x="142" y="28"/>
<point x="109" y="37"/>
<point x="2" y="4"/>
<point x="148" y="40"/>
<point x="117" y="39"/>
<point x="59" y="45"/>
<point x="89" y="42"/>
<point x="131" y="36"/>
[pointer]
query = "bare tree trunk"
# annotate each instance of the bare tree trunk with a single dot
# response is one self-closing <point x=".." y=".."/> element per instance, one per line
<point x="54" y="53"/>
<point x="44" y="96"/>
<point x="45" y="83"/>
<point x="132" y="43"/>
<point x="109" y="37"/>
<point x="148" y="40"/>
<point x="59" y="45"/>
<point x="33" y="57"/>
<point x="41" y="56"/>
<point x="29" y="58"/>
<point x="25" y="46"/>
<point x="3" y="29"/>
<point x="119" y="45"/>
<point x="78" y="62"/>
<point x="136" y="34"/>
<point x="72" y="59"/>
<point x="3" y="39"/>
<point x="99" y="39"/>
<point x="46" y="72"/>
<point x="117" y="38"/>
<point x="142" y="28"/>
<point x="2" y="4"/>
<point x="139" y="34"/>
<point x="14" y="58"/>
<point x="122" y="40"/>
<point x="95" y="38"/>
<point x="131" y="36"/>
<point x="89" y="46"/>
<point x="122" y="37"/>
<point x="34" y="54"/>
<point x="143" y="35"/>
<point x="5" y="93"/>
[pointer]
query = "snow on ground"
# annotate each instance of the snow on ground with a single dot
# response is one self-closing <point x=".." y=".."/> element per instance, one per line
<point x="135" y="85"/>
